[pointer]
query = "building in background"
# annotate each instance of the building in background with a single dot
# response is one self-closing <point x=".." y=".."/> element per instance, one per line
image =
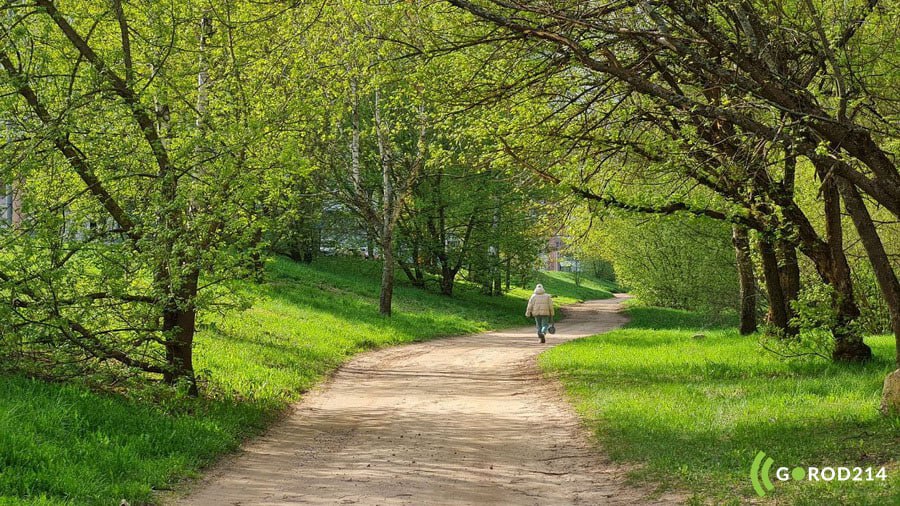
<point x="10" y="205"/>
<point x="554" y="251"/>
<point x="556" y="259"/>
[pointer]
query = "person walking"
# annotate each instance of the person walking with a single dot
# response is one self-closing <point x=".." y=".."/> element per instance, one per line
<point x="540" y="306"/>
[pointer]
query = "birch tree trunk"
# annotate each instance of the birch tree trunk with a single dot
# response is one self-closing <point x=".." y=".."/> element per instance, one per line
<point x="180" y="313"/>
<point x="387" y="213"/>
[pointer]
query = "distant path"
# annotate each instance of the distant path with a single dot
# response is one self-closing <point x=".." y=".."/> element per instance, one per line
<point x="463" y="420"/>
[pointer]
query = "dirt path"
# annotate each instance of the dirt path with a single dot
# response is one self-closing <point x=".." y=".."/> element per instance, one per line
<point x="464" y="420"/>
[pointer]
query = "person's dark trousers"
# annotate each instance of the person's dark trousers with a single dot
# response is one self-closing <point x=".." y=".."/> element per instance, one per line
<point x="541" y="322"/>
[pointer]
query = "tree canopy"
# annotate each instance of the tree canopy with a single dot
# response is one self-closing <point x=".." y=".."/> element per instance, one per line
<point x="154" y="154"/>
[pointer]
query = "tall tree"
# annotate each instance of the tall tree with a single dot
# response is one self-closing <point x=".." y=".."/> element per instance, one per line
<point x="653" y="51"/>
<point x="137" y="179"/>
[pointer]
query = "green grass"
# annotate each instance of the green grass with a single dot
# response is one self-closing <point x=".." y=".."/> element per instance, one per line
<point x="564" y="282"/>
<point x="314" y="317"/>
<point x="66" y="444"/>
<point x="692" y="413"/>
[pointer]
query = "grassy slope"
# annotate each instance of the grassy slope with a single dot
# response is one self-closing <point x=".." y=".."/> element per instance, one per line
<point x="63" y="444"/>
<point x="564" y="282"/>
<point x="695" y="412"/>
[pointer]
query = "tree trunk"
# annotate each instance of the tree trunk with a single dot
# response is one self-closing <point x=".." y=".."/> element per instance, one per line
<point x="487" y="283"/>
<point x="790" y="267"/>
<point x="747" y="279"/>
<point x="492" y="280"/>
<point x="308" y="254"/>
<point x="420" y="275"/>
<point x="413" y="274"/>
<point x="508" y="271"/>
<point x="180" y="312"/>
<point x="370" y="247"/>
<point x="203" y="75"/>
<point x="448" y="280"/>
<point x="179" y="324"/>
<point x="849" y="345"/>
<point x="387" y="276"/>
<point x="360" y="193"/>
<point x="417" y="263"/>
<point x="777" y="315"/>
<point x="881" y="263"/>
<point x="387" y="222"/>
<point x="413" y="268"/>
<point x="789" y="275"/>
<point x="887" y="282"/>
<point x="354" y="137"/>
<point x="259" y="266"/>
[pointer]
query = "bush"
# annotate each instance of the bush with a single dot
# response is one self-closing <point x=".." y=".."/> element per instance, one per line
<point x="673" y="261"/>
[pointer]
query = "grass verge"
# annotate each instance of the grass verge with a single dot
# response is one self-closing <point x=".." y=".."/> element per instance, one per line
<point x="63" y="444"/>
<point x="692" y="413"/>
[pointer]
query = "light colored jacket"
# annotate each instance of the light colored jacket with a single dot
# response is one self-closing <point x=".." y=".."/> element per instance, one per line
<point x="540" y="304"/>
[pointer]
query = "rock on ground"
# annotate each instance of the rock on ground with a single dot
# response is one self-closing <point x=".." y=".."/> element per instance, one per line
<point x="890" y="400"/>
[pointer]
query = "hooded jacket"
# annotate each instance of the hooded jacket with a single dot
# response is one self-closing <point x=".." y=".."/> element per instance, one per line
<point x="540" y="303"/>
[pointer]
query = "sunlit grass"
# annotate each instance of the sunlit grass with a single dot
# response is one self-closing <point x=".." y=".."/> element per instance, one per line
<point x="693" y="412"/>
<point x="308" y="319"/>
<point x="66" y="444"/>
<point x="63" y="444"/>
<point x="555" y="281"/>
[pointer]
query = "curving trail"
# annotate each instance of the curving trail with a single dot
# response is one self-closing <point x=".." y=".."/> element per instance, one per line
<point x="462" y="420"/>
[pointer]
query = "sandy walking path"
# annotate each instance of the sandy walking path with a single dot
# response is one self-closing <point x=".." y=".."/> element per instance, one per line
<point x="463" y="420"/>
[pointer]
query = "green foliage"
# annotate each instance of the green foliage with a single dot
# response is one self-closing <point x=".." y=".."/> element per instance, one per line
<point x="667" y="127"/>
<point x="874" y="314"/>
<point x="814" y="320"/>
<point x="674" y="261"/>
<point x="138" y="155"/>
<point x="874" y="317"/>
<point x="599" y="268"/>
<point x="384" y="125"/>
<point x="152" y="173"/>
<point x="67" y="444"/>
<point x="692" y="413"/>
